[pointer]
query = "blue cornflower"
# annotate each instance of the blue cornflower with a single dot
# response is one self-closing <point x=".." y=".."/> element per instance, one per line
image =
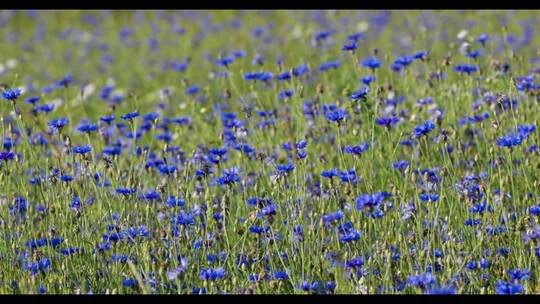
<point x="108" y="119"/>
<point x="526" y="130"/>
<point x="482" y="39"/>
<point x="336" y="115"/>
<point x="503" y="287"/>
<point x="350" y="236"/>
<point x="519" y="274"/>
<point x="64" y="82"/>
<point x="356" y="36"/>
<point x="125" y="191"/>
<point x="357" y="150"/>
<point x="510" y="140"/>
<point x="424" y="128"/>
<point x="229" y="177"/>
<point x="58" y="124"/>
<point x="332" y="217"/>
<point x="355" y="263"/>
<point x="225" y="61"/>
<point x="281" y="275"/>
<point x="45" y="108"/>
<point x="387" y="121"/>
<point x="401" y="164"/>
<point x="192" y="90"/>
<point x="329" y="65"/>
<point x="259" y="230"/>
<point x="420" y="55"/>
<point x="360" y="94"/>
<point x="368" y="79"/>
<point x="7" y="155"/>
<point x="285" y="94"/>
<point x="32" y="100"/>
<point x="151" y="195"/>
<point x="372" y="63"/>
<point x="425" y="197"/>
<point x="130" y="283"/>
<point x="284" y="76"/>
<point x="130" y="116"/>
<point x="301" y="70"/>
<point x="322" y="35"/>
<point x="114" y="150"/>
<point x="465" y="68"/>
<point x="11" y="94"/>
<point x="350" y="47"/>
<point x="442" y="290"/>
<point x="172" y="201"/>
<point x="473" y="222"/>
<point x="69" y="251"/>
<point x="348" y="176"/>
<point x="87" y="128"/>
<point x="285" y="168"/>
<point x="330" y="173"/>
<point x="370" y="200"/>
<point x="212" y="274"/>
<point x="32" y="244"/>
<point x="422" y="280"/>
<point x="82" y="149"/>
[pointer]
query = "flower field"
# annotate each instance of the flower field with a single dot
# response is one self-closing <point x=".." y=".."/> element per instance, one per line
<point x="289" y="152"/>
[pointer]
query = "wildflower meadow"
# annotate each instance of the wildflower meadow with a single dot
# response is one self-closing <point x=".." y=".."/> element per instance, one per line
<point x="269" y="152"/>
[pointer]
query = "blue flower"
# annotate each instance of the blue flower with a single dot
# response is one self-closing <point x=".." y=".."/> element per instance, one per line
<point x="368" y="79"/>
<point x="510" y="140"/>
<point x="229" y="177"/>
<point x="212" y="274"/>
<point x="7" y="155"/>
<point x="465" y="68"/>
<point x="350" y="47"/>
<point x="130" y="115"/>
<point x="360" y="94"/>
<point x="422" y="280"/>
<point x="32" y="100"/>
<point x="108" y="119"/>
<point x="503" y="287"/>
<point x="301" y="70"/>
<point x="518" y="274"/>
<point x="192" y="90"/>
<point x="125" y="191"/>
<point x="64" y="82"/>
<point x="482" y="38"/>
<point x="425" y="197"/>
<point x="442" y="290"/>
<point x="82" y="149"/>
<point x="130" y="283"/>
<point x="336" y="115"/>
<point x="285" y="168"/>
<point x="284" y="76"/>
<point x="329" y="65"/>
<point x="225" y="61"/>
<point x="11" y="94"/>
<point x="424" y="128"/>
<point x="372" y="63"/>
<point x="356" y="36"/>
<point x="46" y="108"/>
<point x="330" y="173"/>
<point x="58" y="124"/>
<point x="355" y="263"/>
<point x="535" y="210"/>
<point x="285" y="94"/>
<point x="332" y="217"/>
